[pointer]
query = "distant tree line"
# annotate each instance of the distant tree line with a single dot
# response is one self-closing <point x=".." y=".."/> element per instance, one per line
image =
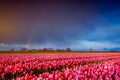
<point x="44" y="50"/>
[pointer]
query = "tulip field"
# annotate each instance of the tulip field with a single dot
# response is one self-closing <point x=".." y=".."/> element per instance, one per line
<point x="74" y="66"/>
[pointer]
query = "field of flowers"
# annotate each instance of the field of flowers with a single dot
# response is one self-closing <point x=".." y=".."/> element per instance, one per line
<point x="95" y="66"/>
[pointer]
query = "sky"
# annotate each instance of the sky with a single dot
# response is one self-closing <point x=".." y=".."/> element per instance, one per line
<point x="77" y="24"/>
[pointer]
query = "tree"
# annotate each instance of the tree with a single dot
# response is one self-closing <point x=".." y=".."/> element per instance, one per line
<point x="33" y="50"/>
<point x="68" y="50"/>
<point x="45" y="49"/>
<point x="24" y="49"/>
<point x="12" y="49"/>
<point x="90" y="49"/>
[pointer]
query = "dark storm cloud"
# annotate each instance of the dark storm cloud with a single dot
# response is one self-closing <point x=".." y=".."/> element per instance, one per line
<point x="54" y="20"/>
<point x="62" y="23"/>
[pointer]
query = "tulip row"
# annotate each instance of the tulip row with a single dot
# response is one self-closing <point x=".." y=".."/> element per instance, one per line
<point x="104" y="71"/>
<point x="27" y="67"/>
